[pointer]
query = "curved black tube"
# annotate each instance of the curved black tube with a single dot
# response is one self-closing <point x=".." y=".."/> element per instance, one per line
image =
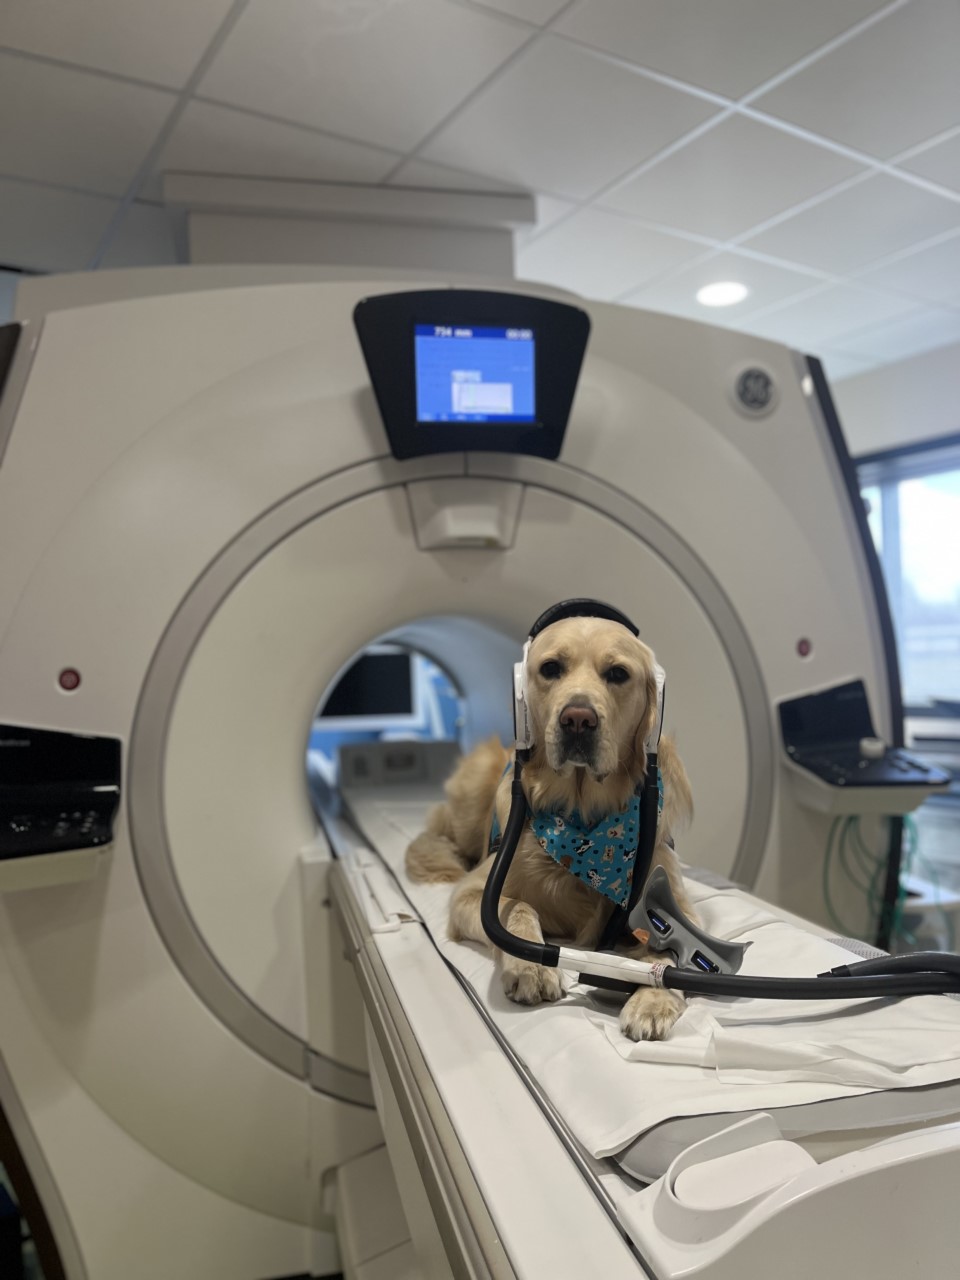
<point x="932" y="962"/>
<point x="887" y="977"/>
<point x="545" y="953"/>
<point x="882" y="985"/>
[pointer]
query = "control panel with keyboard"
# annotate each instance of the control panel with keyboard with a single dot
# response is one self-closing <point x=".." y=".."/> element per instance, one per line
<point x="830" y="736"/>
<point x="58" y="791"/>
<point x="843" y="766"/>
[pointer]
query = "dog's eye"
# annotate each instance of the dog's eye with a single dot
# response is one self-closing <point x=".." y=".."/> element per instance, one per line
<point x="616" y="675"/>
<point x="551" y="670"/>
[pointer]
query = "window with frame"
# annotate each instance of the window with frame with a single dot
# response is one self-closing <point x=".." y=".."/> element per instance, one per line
<point x="912" y="498"/>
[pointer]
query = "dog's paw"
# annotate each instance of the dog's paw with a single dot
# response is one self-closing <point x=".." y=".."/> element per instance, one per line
<point x="649" y="1014"/>
<point x="526" y="983"/>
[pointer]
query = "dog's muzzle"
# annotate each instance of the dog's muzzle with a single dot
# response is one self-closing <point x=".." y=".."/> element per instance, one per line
<point x="578" y="724"/>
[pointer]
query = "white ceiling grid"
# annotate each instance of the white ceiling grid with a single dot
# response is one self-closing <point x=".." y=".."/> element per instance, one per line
<point x="810" y="150"/>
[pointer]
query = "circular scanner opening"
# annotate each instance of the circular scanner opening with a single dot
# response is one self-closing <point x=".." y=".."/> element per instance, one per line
<point x="436" y="679"/>
<point x="386" y="694"/>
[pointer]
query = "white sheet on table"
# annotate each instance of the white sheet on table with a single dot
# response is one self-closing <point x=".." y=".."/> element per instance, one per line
<point x="870" y="1044"/>
<point x="722" y="1056"/>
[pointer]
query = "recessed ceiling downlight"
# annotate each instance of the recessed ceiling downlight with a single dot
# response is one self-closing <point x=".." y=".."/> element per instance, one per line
<point x="723" y="294"/>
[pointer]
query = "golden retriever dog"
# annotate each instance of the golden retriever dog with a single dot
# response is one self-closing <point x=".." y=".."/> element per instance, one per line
<point x="591" y="692"/>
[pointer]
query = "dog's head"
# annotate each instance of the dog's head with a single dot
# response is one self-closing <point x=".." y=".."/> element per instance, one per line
<point x="592" y="693"/>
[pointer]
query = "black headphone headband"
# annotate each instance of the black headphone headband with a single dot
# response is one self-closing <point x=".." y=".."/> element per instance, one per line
<point x="581" y="609"/>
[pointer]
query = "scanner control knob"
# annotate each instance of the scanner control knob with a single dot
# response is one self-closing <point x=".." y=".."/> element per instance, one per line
<point x="873" y="748"/>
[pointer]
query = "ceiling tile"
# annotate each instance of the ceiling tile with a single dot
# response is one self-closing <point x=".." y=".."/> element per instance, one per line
<point x="42" y="229"/>
<point x="939" y="163"/>
<point x="381" y="73"/>
<point x="731" y="178"/>
<point x="75" y="128"/>
<point x="823" y="319"/>
<point x="215" y="139"/>
<point x="144" y="238"/>
<point x="536" y="11"/>
<point x="601" y="255"/>
<point x="562" y="120"/>
<point x="442" y="177"/>
<point x="841" y="364"/>
<point x="139" y="38"/>
<point x="549" y="211"/>
<point x="869" y="220"/>
<point x="767" y="284"/>
<point x="729" y="46"/>
<point x="932" y="274"/>
<point x="887" y="89"/>
<point x="909" y="335"/>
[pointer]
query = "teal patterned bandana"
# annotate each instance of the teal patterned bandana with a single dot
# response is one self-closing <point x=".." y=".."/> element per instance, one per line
<point x="602" y="856"/>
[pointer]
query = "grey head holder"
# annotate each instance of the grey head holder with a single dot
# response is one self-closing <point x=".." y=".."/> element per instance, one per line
<point x="658" y="914"/>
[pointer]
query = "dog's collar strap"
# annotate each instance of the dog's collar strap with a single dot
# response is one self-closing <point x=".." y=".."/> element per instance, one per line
<point x="603" y="855"/>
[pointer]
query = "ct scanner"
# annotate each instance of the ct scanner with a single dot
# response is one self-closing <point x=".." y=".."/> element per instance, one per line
<point x="214" y="1012"/>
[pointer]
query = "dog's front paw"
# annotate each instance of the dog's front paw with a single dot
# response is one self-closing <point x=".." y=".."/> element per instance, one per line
<point x="527" y="983"/>
<point x="650" y="1013"/>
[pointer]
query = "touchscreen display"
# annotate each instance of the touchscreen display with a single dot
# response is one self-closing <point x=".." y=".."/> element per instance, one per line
<point x="467" y="373"/>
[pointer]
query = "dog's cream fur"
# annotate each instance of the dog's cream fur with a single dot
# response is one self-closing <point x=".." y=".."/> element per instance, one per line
<point x="578" y="662"/>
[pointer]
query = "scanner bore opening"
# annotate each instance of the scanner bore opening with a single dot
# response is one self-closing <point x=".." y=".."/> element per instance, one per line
<point x="435" y="679"/>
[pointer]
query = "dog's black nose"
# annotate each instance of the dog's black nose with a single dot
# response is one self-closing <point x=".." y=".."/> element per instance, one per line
<point x="577" y="719"/>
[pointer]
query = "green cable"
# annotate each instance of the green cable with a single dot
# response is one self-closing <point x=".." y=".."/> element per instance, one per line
<point x="930" y="871"/>
<point x="870" y="865"/>
<point x="913" y="831"/>
<point x="828" y="900"/>
<point x="866" y="871"/>
<point x="862" y="845"/>
<point x="843" y="825"/>
<point x="877" y="867"/>
<point x="899" y="910"/>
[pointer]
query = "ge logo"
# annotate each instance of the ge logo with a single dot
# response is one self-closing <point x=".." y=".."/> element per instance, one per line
<point x="755" y="390"/>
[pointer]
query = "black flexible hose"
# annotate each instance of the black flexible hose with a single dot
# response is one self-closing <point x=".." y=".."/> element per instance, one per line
<point x="883" y="985"/>
<point x="934" y="962"/>
<point x="545" y="953"/>
<point x="886" y="977"/>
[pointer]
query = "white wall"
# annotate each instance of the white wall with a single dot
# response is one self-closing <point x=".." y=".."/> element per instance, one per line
<point x="903" y="403"/>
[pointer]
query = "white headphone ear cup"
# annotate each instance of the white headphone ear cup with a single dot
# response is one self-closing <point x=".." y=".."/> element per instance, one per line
<point x="653" y="739"/>
<point x="521" y="720"/>
<point x="522" y="728"/>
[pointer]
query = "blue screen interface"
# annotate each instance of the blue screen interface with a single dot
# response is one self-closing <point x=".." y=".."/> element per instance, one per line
<point x="473" y="374"/>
